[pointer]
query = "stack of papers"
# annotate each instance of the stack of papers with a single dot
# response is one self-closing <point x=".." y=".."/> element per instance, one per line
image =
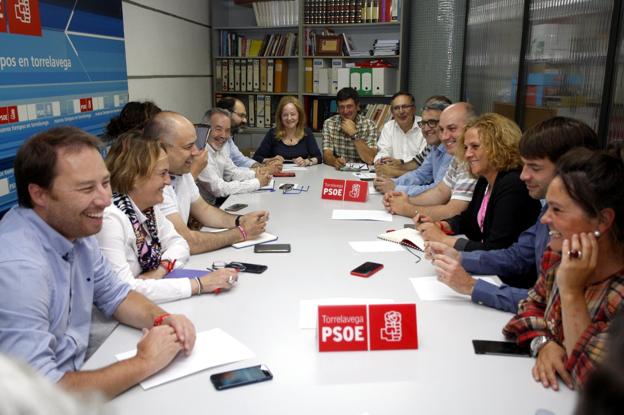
<point x="380" y="215"/>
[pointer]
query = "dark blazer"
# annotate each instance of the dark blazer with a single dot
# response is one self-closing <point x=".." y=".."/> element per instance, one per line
<point x="305" y="148"/>
<point x="510" y="211"/>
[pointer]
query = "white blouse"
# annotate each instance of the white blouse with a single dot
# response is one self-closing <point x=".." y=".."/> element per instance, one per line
<point x="118" y="244"/>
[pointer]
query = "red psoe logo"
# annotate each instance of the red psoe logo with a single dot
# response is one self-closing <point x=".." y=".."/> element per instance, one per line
<point x="342" y="328"/>
<point x="333" y="189"/>
<point x="22" y="16"/>
<point x="393" y="326"/>
<point x="356" y="191"/>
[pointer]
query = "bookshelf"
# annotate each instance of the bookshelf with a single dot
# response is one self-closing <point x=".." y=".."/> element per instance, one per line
<point x="237" y="38"/>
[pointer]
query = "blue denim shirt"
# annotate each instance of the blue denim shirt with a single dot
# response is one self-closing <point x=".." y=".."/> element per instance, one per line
<point x="48" y="285"/>
<point x="428" y="175"/>
<point x="515" y="260"/>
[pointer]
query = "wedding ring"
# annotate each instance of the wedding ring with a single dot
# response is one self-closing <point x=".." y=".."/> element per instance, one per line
<point x="575" y="254"/>
<point x="230" y="280"/>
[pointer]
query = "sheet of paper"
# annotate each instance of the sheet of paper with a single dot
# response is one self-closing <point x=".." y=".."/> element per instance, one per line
<point x="212" y="348"/>
<point x="430" y="289"/>
<point x="308" y="309"/>
<point x="379" y="215"/>
<point x="375" y="246"/>
<point x="260" y="239"/>
<point x="292" y="167"/>
<point x="372" y="190"/>
<point x="270" y="186"/>
<point x="364" y="175"/>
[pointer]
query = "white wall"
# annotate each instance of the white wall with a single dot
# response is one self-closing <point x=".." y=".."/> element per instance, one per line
<point x="168" y="54"/>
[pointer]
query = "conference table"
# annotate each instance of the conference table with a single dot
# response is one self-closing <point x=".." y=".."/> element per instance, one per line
<point x="442" y="376"/>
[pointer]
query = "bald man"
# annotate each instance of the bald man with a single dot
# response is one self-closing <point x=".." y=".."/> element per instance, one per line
<point x="181" y="198"/>
<point x="452" y="195"/>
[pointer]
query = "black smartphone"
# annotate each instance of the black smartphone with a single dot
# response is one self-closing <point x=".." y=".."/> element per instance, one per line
<point x="410" y="225"/>
<point x="235" y="207"/>
<point x="285" y="186"/>
<point x="240" y="377"/>
<point x="500" y="348"/>
<point x="201" y="131"/>
<point x="251" y="268"/>
<point x="262" y="248"/>
<point x="367" y="269"/>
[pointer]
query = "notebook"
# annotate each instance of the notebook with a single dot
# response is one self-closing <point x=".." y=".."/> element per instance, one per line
<point x="406" y="236"/>
<point x="262" y="238"/>
<point x="187" y="273"/>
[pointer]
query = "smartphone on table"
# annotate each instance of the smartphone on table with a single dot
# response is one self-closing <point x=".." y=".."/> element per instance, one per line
<point x="246" y="267"/>
<point x="240" y="377"/>
<point x="500" y="348"/>
<point x="366" y="269"/>
<point x="235" y="207"/>
<point x="265" y="248"/>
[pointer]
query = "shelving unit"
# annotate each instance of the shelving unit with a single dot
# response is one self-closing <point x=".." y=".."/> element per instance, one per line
<point x="227" y="16"/>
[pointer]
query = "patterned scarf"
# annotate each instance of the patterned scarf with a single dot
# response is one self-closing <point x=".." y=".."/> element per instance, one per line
<point x="149" y="252"/>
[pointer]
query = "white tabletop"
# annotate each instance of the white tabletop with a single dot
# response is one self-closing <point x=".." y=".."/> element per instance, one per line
<point x="443" y="376"/>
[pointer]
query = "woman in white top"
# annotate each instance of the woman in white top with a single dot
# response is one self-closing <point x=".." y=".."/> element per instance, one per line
<point x="141" y="245"/>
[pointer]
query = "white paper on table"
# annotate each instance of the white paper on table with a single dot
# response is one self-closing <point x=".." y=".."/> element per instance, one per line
<point x="364" y="175"/>
<point x="344" y="214"/>
<point x="430" y="289"/>
<point x="270" y="186"/>
<point x="308" y="309"/>
<point x="212" y="348"/>
<point x="375" y="246"/>
<point x="372" y="190"/>
<point x="293" y="168"/>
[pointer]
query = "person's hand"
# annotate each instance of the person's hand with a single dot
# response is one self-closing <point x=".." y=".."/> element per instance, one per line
<point x="348" y="127"/>
<point x="550" y="363"/>
<point x="200" y="161"/>
<point x="339" y="162"/>
<point x="300" y="161"/>
<point x="399" y="204"/>
<point x="383" y="184"/>
<point x="418" y="219"/>
<point x="433" y="249"/>
<point x="574" y="272"/>
<point x="391" y="162"/>
<point x="157" y="348"/>
<point x="387" y="199"/>
<point x="273" y="166"/>
<point x="451" y="273"/>
<point x="219" y="280"/>
<point x="432" y="231"/>
<point x="263" y="177"/>
<point x="184" y="329"/>
<point x="254" y="223"/>
<point x="155" y="274"/>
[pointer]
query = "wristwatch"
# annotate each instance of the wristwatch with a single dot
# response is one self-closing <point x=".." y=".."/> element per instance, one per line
<point x="537" y="343"/>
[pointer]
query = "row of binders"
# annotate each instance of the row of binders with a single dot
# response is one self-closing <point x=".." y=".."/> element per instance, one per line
<point x="233" y="44"/>
<point x="320" y="78"/>
<point x="276" y="13"/>
<point x="252" y="75"/>
<point x="351" y="11"/>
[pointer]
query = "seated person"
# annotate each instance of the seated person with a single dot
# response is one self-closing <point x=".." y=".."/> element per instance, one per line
<point x="433" y="168"/>
<point x="501" y="207"/>
<point x="540" y="148"/>
<point x="290" y="139"/>
<point x="566" y="316"/>
<point x="52" y="271"/>
<point x="221" y="178"/>
<point x="239" y="121"/>
<point x="181" y="198"/>
<point x="348" y="136"/>
<point x="452" y="195"/>
<point x="141" y="245"/>
<point x="401" y="146"/>
<point x="134" y="115"/>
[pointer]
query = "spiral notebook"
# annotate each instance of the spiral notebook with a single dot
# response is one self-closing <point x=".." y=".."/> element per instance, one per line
<point x="406" y="236"/>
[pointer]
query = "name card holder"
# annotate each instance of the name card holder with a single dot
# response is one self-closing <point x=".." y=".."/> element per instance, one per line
<point x="347" y="190"/>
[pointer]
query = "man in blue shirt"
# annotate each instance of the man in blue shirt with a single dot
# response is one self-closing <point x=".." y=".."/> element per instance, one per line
<point x="52" y="271"/>
<point x="540" y="148"/>
<point x="433" y="168"/>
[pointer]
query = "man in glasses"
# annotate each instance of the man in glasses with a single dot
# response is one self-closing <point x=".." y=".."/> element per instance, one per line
<point x="222" y="177"/>
<point x="437" y="160"/>
<point x="401" y="146"/>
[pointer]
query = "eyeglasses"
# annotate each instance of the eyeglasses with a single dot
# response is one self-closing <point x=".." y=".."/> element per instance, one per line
<point x="428" y="123"/>
<point x="240" y="114"/>
<point x="405" y="107"/>
<point x="222" y="264"/>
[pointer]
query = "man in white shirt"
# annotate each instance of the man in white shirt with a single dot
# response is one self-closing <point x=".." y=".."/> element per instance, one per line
<point x="401" y="146"/>
<point x="177" y="134"/>
<point x="221" y="177"/>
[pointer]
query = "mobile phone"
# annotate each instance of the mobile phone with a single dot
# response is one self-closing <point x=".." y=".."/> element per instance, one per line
<point x="410" y="225"/>
<point x="284" y="174"/>
<point x="261" y="248"/>
<point x="366" y="269"/>
<point x="367" y="179"/>
<point x="285" y="186"/>
<point x="240" y="377"/>
<point x="201" y="131"/>
<point x="250" y="268"/>
<point x="500" y="348"/>
<point x="235" y="207"/>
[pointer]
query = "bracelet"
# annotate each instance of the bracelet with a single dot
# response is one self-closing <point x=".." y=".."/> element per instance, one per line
<point x="168" y="265"/>
<point x="159" y="319"/>
<point x="243" y="233"/>
<point x="200" y="288"/>
<point x="237" y="220"/>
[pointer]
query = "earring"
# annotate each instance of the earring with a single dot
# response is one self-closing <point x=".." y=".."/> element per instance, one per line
<point x="597" y="233"/>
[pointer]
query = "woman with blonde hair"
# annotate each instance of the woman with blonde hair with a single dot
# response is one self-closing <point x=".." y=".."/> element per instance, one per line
<point x="138" y="241"/>
<point x="501" y="207"/>
<point x="290" y="139"/>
